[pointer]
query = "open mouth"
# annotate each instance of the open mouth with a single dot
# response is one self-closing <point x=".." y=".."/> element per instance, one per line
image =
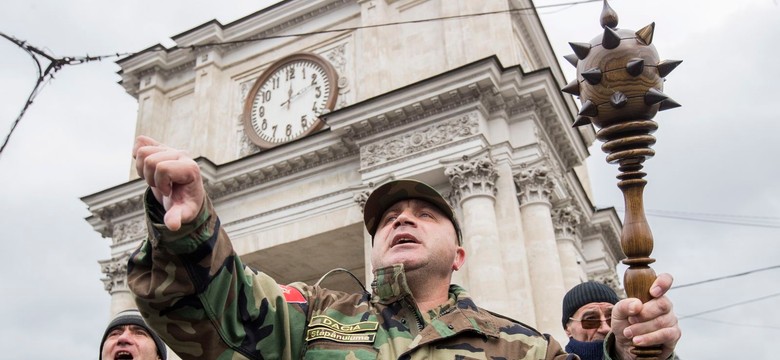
<point x="404" y="239"/>
<point x="123" y="355"/>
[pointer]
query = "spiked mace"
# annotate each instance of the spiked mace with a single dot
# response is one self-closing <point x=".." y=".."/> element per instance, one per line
<point x="620" y="84"/>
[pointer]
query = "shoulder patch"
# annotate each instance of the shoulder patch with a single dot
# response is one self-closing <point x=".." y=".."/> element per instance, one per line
<point x="292" y="295"/>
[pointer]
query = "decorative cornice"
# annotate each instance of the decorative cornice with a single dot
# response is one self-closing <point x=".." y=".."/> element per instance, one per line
<point x="300" y="204"/>
<point x="118" y="209"/>
<point x="181" y="58"/>
<point x="476" y="177"/>
<point x="291" y="23"/>
<point x="222" y="187"/>
<point x="534" y="185"/>
<point x="128" y="231"/>
<point x="425" y="138"/>
<point x="401" y="116"/>
<point x="557" y="133"/>
<point x="609" y="235"/>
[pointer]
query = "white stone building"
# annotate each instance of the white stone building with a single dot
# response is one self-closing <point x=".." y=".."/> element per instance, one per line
<point x="467" y="103"/>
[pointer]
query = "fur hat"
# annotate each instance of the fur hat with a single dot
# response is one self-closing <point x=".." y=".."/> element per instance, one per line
<point x="133" y="317"/>
<point x="586" y="293"/>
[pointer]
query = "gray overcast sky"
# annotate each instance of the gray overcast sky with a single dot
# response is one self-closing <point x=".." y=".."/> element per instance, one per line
<point x="715" y="155"/>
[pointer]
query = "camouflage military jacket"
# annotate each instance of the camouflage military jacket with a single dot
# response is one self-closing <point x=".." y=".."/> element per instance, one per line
<point x="205" y="304"/>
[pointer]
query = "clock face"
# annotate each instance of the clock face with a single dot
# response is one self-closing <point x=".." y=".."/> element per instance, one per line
<point x="286" y="101"/>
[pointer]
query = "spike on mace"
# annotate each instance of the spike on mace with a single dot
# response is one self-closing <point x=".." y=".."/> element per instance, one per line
<point x="620" y="95"/>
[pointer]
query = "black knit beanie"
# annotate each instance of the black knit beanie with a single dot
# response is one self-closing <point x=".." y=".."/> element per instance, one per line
<point x="133" y="317"/>
<point x="584" y="294"/>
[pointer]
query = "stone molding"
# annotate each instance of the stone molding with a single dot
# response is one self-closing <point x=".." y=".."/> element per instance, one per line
<point x="128" y="231"/>
<point x="557" y="133"/>
<point x="289" y="23"/>
<point x="425" y="138"/>
<point x="117" y="209"/>
<point x="611" y="279"/>
<point x="415" y="112"/>
<point x="609" y="236"/>
<point x="251" y="178"/>
<point x="472" y="177"/>
<point x="534" y="185"/>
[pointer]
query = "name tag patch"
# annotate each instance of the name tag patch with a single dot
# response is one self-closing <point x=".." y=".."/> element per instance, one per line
<point x="313" y="334"/>
<point x="325" y="327"/>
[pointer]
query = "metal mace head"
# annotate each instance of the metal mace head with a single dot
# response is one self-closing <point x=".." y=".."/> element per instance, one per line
<point x="619" y="75"/>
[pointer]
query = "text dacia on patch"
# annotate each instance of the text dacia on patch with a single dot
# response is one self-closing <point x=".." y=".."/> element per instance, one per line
<point x="327" y="321"/>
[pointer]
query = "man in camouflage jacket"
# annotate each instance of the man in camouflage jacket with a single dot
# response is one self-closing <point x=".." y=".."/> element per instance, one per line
<point x="196" y="293"/>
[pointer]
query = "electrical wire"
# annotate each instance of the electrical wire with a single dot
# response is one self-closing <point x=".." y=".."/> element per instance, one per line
<point x="725" y="277"/>
<point x="728" y="306"/>
<point x="725" y="219"/>
<point x="44" y="76"/>
<point x="736" y="324"/>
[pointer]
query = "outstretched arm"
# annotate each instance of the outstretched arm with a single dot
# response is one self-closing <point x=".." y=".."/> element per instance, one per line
<point x="188" y="281"/>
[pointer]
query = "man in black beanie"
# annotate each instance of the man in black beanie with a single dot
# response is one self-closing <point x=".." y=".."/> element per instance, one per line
<point x="587" y="313"/>
<point x="128" y="337"/>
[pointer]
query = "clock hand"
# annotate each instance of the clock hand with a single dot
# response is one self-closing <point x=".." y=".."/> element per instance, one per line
<point x="301" y="92"/>
<point x="289" y="96"/>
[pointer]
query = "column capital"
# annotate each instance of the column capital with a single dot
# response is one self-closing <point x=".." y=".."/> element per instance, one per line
<point x="534" y="185"/>
<point x="566" y="220"/>
<point x="116" y="273"/>
<point x="472" y="177"/>
<point x="360" y="198"/>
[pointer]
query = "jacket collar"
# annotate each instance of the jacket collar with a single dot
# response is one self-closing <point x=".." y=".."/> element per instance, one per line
<point x="390" y="286"/>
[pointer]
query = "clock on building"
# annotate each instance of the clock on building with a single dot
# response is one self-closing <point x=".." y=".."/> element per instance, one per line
<point x="287" y="100"/>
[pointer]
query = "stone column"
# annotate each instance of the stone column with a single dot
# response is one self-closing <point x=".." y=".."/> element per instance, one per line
<point x="513" y="251"/>
<point x="474" y="189"/>
<point x="115" y="283"/>
<point x="534" y="191"/>
<point x="566" y="219"/>
<point x="360" y="198"/>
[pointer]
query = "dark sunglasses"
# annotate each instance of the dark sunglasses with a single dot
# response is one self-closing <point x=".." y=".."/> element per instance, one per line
<point x="593" y="323"/>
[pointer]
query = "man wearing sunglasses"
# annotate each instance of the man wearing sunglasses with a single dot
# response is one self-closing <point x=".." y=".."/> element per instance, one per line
<point x="587" y="318"/>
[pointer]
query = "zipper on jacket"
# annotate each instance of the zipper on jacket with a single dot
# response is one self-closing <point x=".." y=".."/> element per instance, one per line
<point x="417" y="317"/>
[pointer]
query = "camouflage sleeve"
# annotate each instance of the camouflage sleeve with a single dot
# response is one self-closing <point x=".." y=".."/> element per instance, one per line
<point x="205" y="304"/>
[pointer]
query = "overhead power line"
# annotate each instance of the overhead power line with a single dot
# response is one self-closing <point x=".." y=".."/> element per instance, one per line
<point x="728" y="306"/>
<point x="44" y="76"/>
<point x="742" y="220"/>
<point x="725" y="277"/>
<point x="737" y="324"/>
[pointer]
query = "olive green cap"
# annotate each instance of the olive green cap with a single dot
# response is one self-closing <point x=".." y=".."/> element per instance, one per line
<point x="385" y="196"/>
